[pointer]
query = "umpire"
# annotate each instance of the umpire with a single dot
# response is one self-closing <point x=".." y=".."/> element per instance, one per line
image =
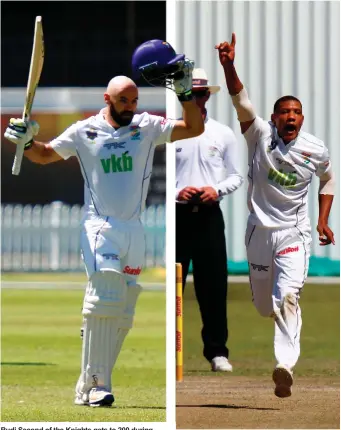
<point x="206" y="171"/>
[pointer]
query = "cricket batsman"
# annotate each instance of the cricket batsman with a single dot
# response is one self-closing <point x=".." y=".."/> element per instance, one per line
<point x="282" y="160"/>
<point x="115" y="151"/>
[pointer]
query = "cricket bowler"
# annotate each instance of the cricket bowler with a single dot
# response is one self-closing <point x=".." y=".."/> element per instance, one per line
<point x="282" y="160"/>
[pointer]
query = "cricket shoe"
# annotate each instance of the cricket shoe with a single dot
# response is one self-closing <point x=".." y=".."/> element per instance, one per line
<point x="96" y="397"/>
<point x="221" y="364"/>
<point x="100" y="397"/>
<point x="282" y="377"/>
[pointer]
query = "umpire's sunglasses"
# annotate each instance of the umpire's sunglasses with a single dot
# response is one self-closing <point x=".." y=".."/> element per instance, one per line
<point x="198" y="94"/>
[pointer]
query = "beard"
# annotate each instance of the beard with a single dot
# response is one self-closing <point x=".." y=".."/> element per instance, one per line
<point x="123" y="119"/>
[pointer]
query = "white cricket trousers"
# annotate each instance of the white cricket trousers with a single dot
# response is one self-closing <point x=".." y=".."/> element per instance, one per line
<point x="110" y="244"/>
<point x="278" y="266"/>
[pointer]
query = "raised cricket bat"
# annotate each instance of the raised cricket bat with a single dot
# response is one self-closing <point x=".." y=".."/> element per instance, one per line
<point x="36" y="66"/>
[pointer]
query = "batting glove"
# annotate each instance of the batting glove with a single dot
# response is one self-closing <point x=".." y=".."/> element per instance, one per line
<point x="183" y="86"/>
<point x="19" y="131"/>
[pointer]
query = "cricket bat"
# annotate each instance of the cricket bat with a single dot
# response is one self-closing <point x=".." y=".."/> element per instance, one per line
<point x="36" y="66"/>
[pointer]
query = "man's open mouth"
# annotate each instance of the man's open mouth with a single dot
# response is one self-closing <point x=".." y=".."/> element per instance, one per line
<point x="290" y="128"/>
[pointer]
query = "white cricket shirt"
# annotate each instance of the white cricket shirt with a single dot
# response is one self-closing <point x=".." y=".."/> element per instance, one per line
<point x="210" y="159"/>
<point x="279" y="178"/>
<point x="116" y="164"/>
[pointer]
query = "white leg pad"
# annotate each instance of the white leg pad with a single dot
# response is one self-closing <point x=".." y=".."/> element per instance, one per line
<point x="127" y="320"/>
<point x="103" y="308"/>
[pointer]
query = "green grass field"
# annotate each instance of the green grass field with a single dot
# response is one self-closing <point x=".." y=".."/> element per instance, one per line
<point x="251" y="336"/>
<point x="148" y="275"/>
<point x="41" y="351"/>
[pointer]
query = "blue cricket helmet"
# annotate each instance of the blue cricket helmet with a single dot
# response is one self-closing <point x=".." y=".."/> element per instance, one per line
<point x="156" y="61"/>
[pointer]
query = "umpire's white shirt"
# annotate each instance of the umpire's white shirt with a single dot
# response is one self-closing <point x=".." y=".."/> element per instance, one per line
<point x="210" y="159"/>
<point x="279" y="175"/>
<point x="116" y="164"/>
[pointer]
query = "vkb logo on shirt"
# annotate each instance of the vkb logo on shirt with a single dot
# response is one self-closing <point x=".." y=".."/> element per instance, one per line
<point x="116" y="164"/>
<point x="287" y="180"/>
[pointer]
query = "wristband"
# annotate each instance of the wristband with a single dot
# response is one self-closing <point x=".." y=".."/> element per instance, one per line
<point x="185" y="97"/>
<point x="28" y="145"/>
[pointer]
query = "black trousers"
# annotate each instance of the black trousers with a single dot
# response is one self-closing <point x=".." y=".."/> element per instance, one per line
<point x="200" y="237"/>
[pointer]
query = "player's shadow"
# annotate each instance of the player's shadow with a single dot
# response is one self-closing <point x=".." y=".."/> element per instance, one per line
<point x="220" y="406"/>
<point x="18" y="363"/>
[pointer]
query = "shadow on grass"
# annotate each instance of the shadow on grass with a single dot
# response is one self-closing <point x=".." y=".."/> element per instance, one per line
<point x="14" y="363"/>
<point x="253" y="373"/>
<point x="189" y="372"/>
<point x="139" y="407"/>
<point x="219" y="406"/>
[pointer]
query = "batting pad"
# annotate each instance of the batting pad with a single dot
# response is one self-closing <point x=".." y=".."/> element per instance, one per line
<point x="127" y="319"/>
<point x="103" y="308"/>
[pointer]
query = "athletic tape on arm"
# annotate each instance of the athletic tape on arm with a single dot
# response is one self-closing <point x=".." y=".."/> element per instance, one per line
<point x="243" y="106"/>
<point x="327" y="183"/>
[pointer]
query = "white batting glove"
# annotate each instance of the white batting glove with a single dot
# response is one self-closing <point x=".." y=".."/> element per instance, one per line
<point x="183" y="86"/>
<point x="19" y="131"/>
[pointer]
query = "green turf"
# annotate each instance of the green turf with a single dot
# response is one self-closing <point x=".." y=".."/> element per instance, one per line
<point x="157" y="274"/>
<point x="41" y="351"/>
<point x="251" y="336"/>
